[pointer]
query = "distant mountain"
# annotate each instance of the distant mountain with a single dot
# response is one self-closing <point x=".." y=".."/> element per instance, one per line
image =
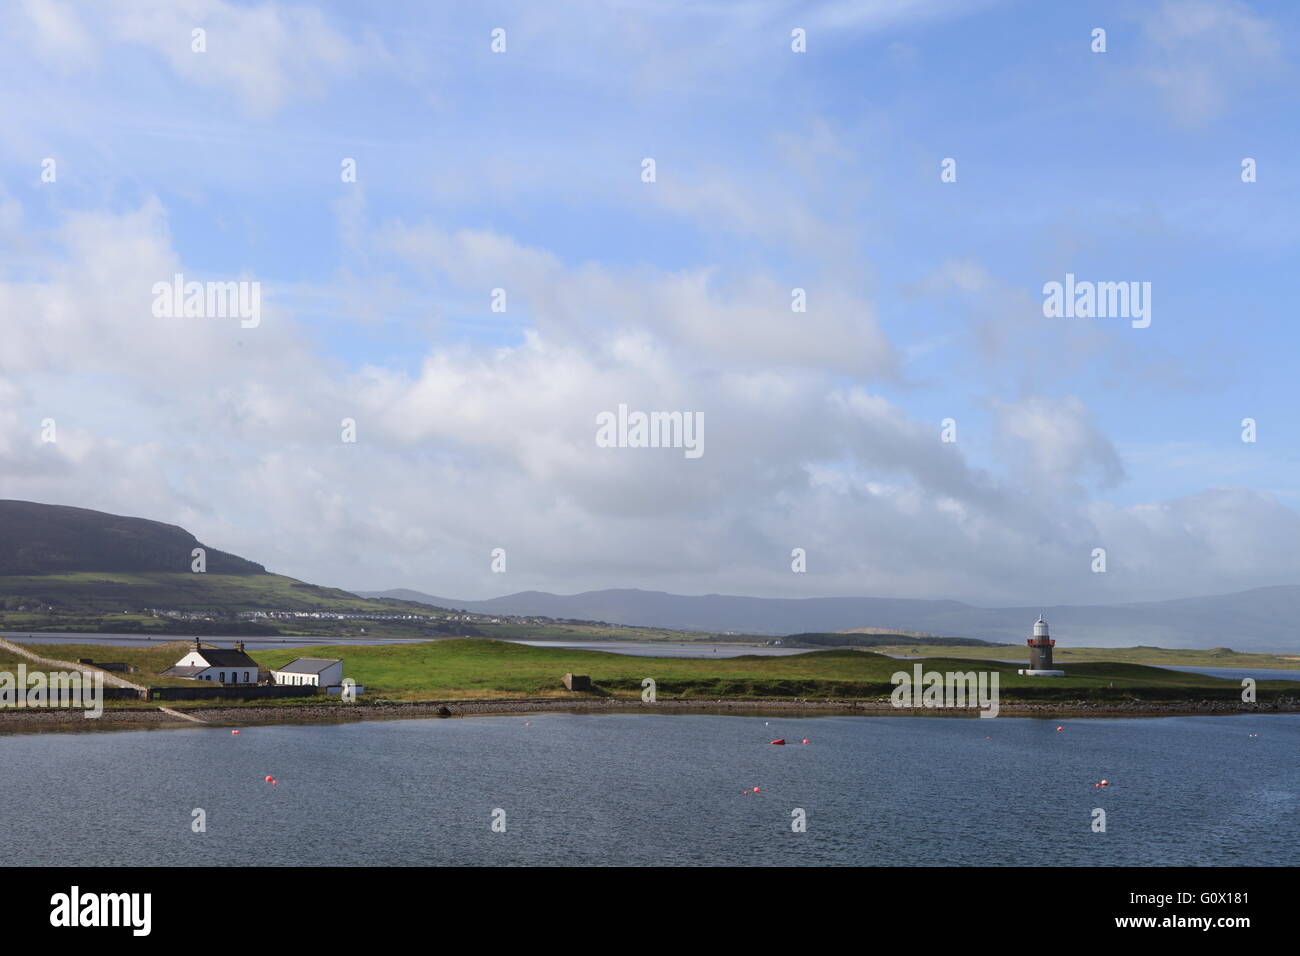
<point x="1261" y="620"/>
<point x="54" y="539"/>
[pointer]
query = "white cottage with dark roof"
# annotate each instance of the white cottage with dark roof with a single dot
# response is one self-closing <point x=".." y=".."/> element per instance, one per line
<point x="322" y="672"/>
<point x="217" y="664"/>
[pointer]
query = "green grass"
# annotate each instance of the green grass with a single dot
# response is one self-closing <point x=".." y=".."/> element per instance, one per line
<point x="151" y="660"/>
<point x="461" y="669"/>
<point x="487" y="669"/>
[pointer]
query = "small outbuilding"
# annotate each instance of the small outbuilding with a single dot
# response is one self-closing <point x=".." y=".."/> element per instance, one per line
<point x="324" y="672"/>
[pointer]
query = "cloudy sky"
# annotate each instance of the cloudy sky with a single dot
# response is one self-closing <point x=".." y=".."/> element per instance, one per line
<point x="774" y="170"/>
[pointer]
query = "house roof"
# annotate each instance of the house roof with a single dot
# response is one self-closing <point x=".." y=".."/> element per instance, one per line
<point x="224" y="657"/>
<point x="309" y="665"/>
<point x="178" y="671"/>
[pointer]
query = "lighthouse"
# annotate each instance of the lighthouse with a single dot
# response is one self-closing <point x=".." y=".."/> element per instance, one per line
<point x="1040" y="653"/>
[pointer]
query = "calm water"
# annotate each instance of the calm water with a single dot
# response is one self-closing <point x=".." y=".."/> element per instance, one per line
<point x="263" y="643"/>
<point x="1237" y="673"/>
<point x="692" y="649"/>
<point x="1231" y="673"/>
<point x="251" y="643"/>
<point x="653" y="790"/>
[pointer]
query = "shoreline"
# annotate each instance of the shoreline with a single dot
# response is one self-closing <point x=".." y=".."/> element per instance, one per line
<point x="63" y="720"/>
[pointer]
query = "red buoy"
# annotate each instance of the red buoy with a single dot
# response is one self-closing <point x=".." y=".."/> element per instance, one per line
<point x="234" y="731"/>
<point x="805" y="740"/>
<point x="756" y="789"/>
<point x="269" y="778"/>
<point x="1059" y="729"/>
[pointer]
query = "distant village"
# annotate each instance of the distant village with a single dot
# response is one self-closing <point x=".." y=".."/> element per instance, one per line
<point x="336" y="616"/>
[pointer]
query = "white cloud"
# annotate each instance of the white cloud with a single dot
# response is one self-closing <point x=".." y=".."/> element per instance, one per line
<point x="62" y="39"/>
<point x="748" y="319"/>
<point x="235" y="435"/>
<point x="265" y="55"/>
<point x="1207" y="52"/>
<point x="1056" y="445"/>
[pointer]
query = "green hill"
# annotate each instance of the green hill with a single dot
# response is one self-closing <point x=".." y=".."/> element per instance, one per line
<point x="51" y="539"/>
<point x="65" y="568"/>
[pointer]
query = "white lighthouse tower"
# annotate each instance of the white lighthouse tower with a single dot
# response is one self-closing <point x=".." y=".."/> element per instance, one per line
<point x="1040" y="653"/>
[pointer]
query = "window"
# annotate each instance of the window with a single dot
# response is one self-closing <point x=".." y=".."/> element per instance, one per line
<point x="222" y="677"/>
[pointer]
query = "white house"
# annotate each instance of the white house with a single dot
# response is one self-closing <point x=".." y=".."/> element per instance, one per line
<point x="325" y="672"/>
<point x="217" y="664"/>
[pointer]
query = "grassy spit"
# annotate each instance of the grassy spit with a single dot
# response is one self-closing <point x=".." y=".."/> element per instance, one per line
<point x="482" y="669"/>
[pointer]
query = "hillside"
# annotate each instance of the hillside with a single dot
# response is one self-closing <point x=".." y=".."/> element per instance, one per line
<point x="50" y="539"/>
<point x="74" y="569"/>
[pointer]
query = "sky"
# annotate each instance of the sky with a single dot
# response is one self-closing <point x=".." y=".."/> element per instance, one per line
<point x="129" y="155"/>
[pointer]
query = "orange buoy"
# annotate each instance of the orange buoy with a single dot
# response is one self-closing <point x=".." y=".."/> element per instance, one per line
<point x="780" y="741"/>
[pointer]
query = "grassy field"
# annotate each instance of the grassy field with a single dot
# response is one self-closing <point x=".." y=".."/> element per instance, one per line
<point x="1169" y="657"/>
<point x="151" y="661"/>
<point x="466" y="669"/>
<point x="487" y="669"/>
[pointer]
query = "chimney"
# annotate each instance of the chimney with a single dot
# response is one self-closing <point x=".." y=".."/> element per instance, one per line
<point x="239" y="646"/>
<point x="196" y="645"/>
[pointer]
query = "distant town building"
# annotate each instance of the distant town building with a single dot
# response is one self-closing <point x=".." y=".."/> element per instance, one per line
<point x="221" y="665"/>
<point x="1040" y="653"/>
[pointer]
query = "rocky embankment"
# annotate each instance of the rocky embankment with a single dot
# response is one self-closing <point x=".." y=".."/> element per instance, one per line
<point x="34" y="720"/>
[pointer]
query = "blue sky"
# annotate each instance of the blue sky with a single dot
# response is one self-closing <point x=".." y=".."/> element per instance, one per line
<point x="775" y="169"/>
